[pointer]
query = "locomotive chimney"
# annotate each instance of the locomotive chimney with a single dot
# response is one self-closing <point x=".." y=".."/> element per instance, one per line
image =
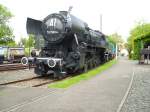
<point x="63" y="12"/>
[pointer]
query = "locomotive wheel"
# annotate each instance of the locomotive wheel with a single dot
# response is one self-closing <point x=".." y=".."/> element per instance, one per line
<point x="95" y="63"/>
<point x="80" y="71"/>
<point x="91" y="65"/>
<point x="64" y="75"/>
<point x="85" y="67"/>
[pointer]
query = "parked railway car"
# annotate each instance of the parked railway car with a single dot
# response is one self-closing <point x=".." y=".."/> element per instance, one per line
<point x="70" y="45"/>
<point x="11" y="54"/>
<point x="3" y="54"/>
<point x="111" y="51"/>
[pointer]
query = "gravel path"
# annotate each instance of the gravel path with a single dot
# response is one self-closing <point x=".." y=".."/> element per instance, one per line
<point x="138" y="99"/>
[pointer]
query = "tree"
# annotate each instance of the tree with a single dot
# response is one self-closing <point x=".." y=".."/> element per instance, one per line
<point x="22" y="42"/>
<point x="30" y="41"/>
<point x="115" y="38"/>
<point x="140" y="31"/>
<point x="27" y="42"/>
<point x="6" y="33"/>
<point x="129" y="47"/>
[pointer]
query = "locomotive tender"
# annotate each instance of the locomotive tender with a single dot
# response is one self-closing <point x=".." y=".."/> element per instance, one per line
<point x="70" y="45"/>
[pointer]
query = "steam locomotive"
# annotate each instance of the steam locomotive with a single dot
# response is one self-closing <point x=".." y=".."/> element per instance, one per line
<point x="69" y="45"/>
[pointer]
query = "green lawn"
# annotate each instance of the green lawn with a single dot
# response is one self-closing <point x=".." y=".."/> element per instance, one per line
<point x="76" y="79"/>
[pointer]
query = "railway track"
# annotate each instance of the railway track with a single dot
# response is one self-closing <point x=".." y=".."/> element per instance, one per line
<point x="9" y="67"/>
<point x="30" y="82"/>
<point x="37" y="81"/>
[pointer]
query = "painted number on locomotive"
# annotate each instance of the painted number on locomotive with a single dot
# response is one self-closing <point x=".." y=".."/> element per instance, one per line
<point x="53" y="22"/>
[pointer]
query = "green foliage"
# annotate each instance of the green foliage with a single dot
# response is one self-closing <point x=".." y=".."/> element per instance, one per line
<point x="27" y="51"/>
<point x="137" y="48"/>
<point x="22" y="41"/>
<point x="140" y="31"/>
<point x="115" y="38"/>
<point x="6" y="32"/>
<point x="71" y="81"/>
<point x="138" y="36"/>
<point x="129" y="47"/>
<point x="12" y="44"/>
<point x="30" y="42"/>
<point x="27" y="42"/>
<point x="8" y="42"/>
<point x="5" y="14"/>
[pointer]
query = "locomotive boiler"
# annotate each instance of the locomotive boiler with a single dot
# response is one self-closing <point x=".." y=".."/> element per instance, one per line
<point x="70" y="45"/>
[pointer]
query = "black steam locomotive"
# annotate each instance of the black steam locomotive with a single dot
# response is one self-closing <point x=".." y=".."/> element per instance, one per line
<point x="70" y="45"/>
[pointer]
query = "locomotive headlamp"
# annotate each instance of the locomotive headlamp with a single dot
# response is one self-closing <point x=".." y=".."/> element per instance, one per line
<point x="51" y="63"/>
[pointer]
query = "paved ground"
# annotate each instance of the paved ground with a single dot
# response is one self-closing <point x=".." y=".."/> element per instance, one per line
<point x="102" y="93"/>
<point x="7" y="76"/>
<point x="138" y="99"/>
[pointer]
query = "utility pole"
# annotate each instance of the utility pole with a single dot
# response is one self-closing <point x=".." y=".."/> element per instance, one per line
<point x="101" y="22"/>
<point x="29" y="45"/>
<point x="116" y="52"/>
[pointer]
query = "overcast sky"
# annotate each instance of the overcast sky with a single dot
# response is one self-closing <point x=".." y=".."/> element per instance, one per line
<point x="118" y="15"/>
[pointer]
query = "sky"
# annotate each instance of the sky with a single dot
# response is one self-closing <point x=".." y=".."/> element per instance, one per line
<point x="118" y="16"/>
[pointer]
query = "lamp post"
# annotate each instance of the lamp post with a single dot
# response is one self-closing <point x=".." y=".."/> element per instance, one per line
<point x="116" y="51"/>
<point x="101" y="22"/>
<point x="29" y="45"/>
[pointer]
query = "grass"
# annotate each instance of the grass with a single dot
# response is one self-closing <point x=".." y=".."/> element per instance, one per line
<point x="71" y="81"/>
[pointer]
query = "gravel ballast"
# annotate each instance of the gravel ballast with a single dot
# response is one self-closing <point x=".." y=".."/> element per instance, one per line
<point x="9" y="76"/>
